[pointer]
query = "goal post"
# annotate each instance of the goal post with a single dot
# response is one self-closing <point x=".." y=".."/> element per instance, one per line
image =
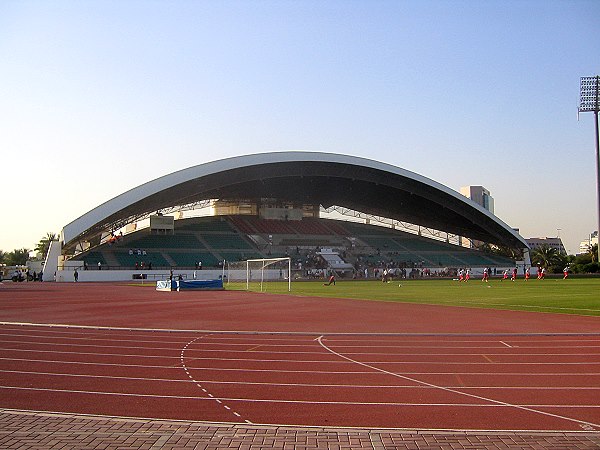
<point x="262" y="274"/>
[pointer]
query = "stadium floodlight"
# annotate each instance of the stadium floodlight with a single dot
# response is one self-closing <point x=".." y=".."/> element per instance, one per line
<point x="589" y="101"/>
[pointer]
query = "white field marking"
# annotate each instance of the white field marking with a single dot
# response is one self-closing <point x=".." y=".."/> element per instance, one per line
<point x="200" y="384"/>
<point x="306" y="402"/>
<point x="442" y="363"/>
<point x="292" y="361"/>
<point x="456" y="391"/>
<point x="545" y="355"/>
<point x="138" y="337"/>
<point x="256" y="345"/>
<point x="576" y="344"/>
<point x="125" y="355"/>
<point x="542" y="308"/>
<point x="325" y="372"/>
<point x="84" y="337"/>
<point x="255" y="334"/>
<point x="519" y="337"/>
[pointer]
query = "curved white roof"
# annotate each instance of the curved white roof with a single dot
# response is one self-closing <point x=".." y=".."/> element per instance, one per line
<point x="323" y="178"/>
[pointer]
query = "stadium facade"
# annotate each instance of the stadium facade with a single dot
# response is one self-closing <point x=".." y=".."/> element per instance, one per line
<point x="279" y="188"/>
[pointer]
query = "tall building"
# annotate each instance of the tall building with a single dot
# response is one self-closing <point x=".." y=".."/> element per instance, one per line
<point x="482" y="197"/>
<point x="585" y="246"/>
<point x="479" y="195"/>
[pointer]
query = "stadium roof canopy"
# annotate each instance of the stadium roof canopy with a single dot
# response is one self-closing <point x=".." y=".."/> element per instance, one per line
<point x="327" y="179"/>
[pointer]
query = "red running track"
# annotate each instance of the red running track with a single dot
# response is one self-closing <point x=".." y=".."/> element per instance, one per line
<point x="508" y="371"/>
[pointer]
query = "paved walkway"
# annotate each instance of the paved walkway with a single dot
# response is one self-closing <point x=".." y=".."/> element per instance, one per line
<point x="37" y="430"/>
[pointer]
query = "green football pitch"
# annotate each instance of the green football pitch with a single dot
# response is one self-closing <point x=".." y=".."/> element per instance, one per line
<point x="570" y="296"/>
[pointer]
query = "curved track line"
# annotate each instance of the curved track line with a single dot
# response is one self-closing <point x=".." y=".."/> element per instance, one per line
<point x="455" y="391"/>
<point x="199" y="384"/>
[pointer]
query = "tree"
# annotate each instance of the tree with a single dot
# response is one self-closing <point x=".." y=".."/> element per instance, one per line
<point x="2" y="257"/>
<point x="17" y="257"/>
<point x="547" y="256"/>
<point x="593" y="251"/>
<point x="44" y="245"/>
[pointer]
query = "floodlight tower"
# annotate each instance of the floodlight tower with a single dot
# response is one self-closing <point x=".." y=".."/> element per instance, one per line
<point x="589" y="101"/>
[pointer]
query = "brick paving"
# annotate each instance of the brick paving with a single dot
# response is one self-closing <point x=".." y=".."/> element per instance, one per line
<point x="39" y="430"/>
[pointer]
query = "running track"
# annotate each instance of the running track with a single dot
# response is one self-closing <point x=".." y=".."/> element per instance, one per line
<point x="505" y="371"/>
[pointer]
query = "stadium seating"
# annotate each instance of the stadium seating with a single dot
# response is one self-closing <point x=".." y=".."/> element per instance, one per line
<point x="236" y="238"/>
<point x="166" y="241"/>
<point x="127" y="260"/>
<point x="226" y="242"/>
<point x="192" y="259"/>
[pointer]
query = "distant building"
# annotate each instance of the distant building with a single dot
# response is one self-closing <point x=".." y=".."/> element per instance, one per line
<point x="482" y="197"/>
<point x="552" y="242"/>
<point x="585" y="245"/>
<point x="479" y="195"/>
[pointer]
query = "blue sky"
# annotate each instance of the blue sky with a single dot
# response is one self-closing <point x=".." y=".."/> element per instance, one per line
<point x="98" y="97"/>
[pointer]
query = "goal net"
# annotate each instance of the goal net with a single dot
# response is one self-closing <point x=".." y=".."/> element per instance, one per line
<point x="268" y="274"/>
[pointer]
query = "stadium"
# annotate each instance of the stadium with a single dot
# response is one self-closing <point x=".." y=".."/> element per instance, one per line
<point x="435" y="363"/>
<point x="328" y="212"/>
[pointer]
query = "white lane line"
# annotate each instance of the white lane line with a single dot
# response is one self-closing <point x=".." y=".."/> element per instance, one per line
<point x="242" y="347"/>
<point x="305" y="402"/>
<point x="215" y="339"/>
<point x="200" y="384"/>
<point x="509" y="346"/>
<point x="214" y="358"/>
<point x="587" y="363"/>
<point x="276" y="370"/>
<point x="455" y="391"/>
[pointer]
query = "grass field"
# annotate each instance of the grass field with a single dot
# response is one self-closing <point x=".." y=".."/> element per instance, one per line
<point x="571" y="296"/>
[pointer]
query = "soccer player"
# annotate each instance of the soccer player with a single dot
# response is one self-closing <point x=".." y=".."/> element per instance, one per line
<point x="566" y="272"/>
<point x="331" y="281"/>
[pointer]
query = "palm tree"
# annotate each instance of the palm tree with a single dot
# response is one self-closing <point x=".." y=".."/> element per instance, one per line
<point x="545" y="256"/>
<point x="44" y="245"/>
<point x="17" y="257"/>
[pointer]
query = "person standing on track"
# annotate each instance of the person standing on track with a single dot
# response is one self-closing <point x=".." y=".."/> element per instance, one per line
<point x="76" y="275"/>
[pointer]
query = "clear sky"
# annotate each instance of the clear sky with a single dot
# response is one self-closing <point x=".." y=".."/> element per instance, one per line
<point x="97" y="97"/>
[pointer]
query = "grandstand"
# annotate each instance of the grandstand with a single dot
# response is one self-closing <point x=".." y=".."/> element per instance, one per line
<point x="270" y="205"/>
<point x="214" y="240"/>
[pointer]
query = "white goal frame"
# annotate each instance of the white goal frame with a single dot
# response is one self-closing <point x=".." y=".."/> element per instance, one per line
<point x="266" y="262"/>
